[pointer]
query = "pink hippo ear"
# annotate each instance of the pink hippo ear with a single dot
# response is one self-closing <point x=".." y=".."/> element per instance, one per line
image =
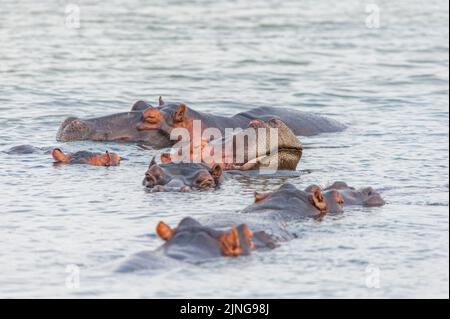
<point x="59" y="156"/>
<point x="259" y="197"/>
<point x="230" y="244"/>
<point x="318" y="201"/>
<point x="108" y="159"/>
<point x="166" y="158"/>
<point x="179" y="115"/>
<point x="164" y="231"/>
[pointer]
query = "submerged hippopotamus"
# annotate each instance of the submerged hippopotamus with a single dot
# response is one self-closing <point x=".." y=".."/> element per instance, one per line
<point x="153" y="125"/>
<point x="27" y="149"/>
<point x="208" y="242"/>
<point x="249" y="149"/>
<point x="84" y="157"/>
<point x="366" y="196"/>
<point x="262" y="225"/>
<point x="116" y="127"/>
<point x="182" y="177"/>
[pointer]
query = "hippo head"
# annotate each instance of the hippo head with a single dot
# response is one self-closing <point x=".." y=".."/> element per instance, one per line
<point x="83" y="157"/>
<point x="182" y="177"/>
<point x="334" y="200"/>
<point x="165" y="118"/>
<point x="291" y="201"/>
<point x="366" y="196"/>
<point x="192" y="241"/>
<point x="73" y="129"/>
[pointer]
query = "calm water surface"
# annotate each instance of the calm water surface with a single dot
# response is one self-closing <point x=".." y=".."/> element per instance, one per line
<point x="390" y="85"/>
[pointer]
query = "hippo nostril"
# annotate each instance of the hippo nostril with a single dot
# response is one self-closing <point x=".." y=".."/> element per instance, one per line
<point x="150" y="179"/>
<point x="206" y="183"/>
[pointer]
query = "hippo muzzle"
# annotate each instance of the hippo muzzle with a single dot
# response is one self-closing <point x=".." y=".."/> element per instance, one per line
<point x="73" y="129"/>
<point x="183" y="177"/>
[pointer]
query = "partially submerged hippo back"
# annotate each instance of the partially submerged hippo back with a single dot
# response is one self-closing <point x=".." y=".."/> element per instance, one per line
<point x="172" y="116"/>
<point x="301" y="123"/>
<point x="25" y="150"/>
<point x="290" y="201"/>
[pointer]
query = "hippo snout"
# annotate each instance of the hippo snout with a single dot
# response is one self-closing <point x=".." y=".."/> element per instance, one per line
<point x="374" y="201"/>
<point x="207" y="183"/>
<point x="73" y="129"/>
<point x="149" y="180"/>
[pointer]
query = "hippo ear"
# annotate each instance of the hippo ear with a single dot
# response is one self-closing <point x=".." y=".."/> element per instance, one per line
<point x="179" y="115"/>
<point x="318" y="201"/>
<point x="153" y="162"/>
<point x="259" y="197"/>
<point x="247" y="235"/>
<point x="59" y="156"/>
<point x="229" y="243"/>
<point x="140" y="106"/>
<point x="216" y="171"/>
<point x="161" y="101"/>
<point x="166" y="158"/>
<point x="107" y="158"/>
<point x="164" y="231"/>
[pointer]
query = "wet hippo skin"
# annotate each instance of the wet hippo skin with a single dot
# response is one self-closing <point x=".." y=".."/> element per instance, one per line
<point x="153" y="125"/>
<point x="174" y="115"/>
<point x="182" y="177"/>
<point x="27" y="149"/>
<point x="116" y="127"/>
<point x="365" y="196"/>
<point x="262" y="225"/>
<point x="84" y="157"/>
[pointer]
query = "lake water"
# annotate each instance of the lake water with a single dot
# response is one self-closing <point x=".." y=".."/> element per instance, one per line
<point x="390" y="85"/>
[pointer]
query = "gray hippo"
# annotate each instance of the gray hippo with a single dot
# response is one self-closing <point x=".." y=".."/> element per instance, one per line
<point x="116" y="127"/>
<point x="186" y="177"/>
<point x="260" y="226"/>
<point x="84" y="157"/>
<point x="366" y="196"/>
<point x="182" y="177"/>
<point x="153" y="125"/>
<point x="27" y="149"/>
<point x="80" y="157"/>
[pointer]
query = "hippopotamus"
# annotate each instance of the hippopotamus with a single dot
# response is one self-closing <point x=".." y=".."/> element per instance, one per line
<point x="206" y="241"/>
<point x="260" y="226"/>
<point x="366" y="196"/>
<point x="263" y="225"/>
<point x="116" y="127"/>
<point x="84" y="157"/>
<point x="173" y="115"/>
<point x="153" y="125"/>
<point x="182" y="177"/>
<point x="27" y="149"/>
<point x="251" y="149"/>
